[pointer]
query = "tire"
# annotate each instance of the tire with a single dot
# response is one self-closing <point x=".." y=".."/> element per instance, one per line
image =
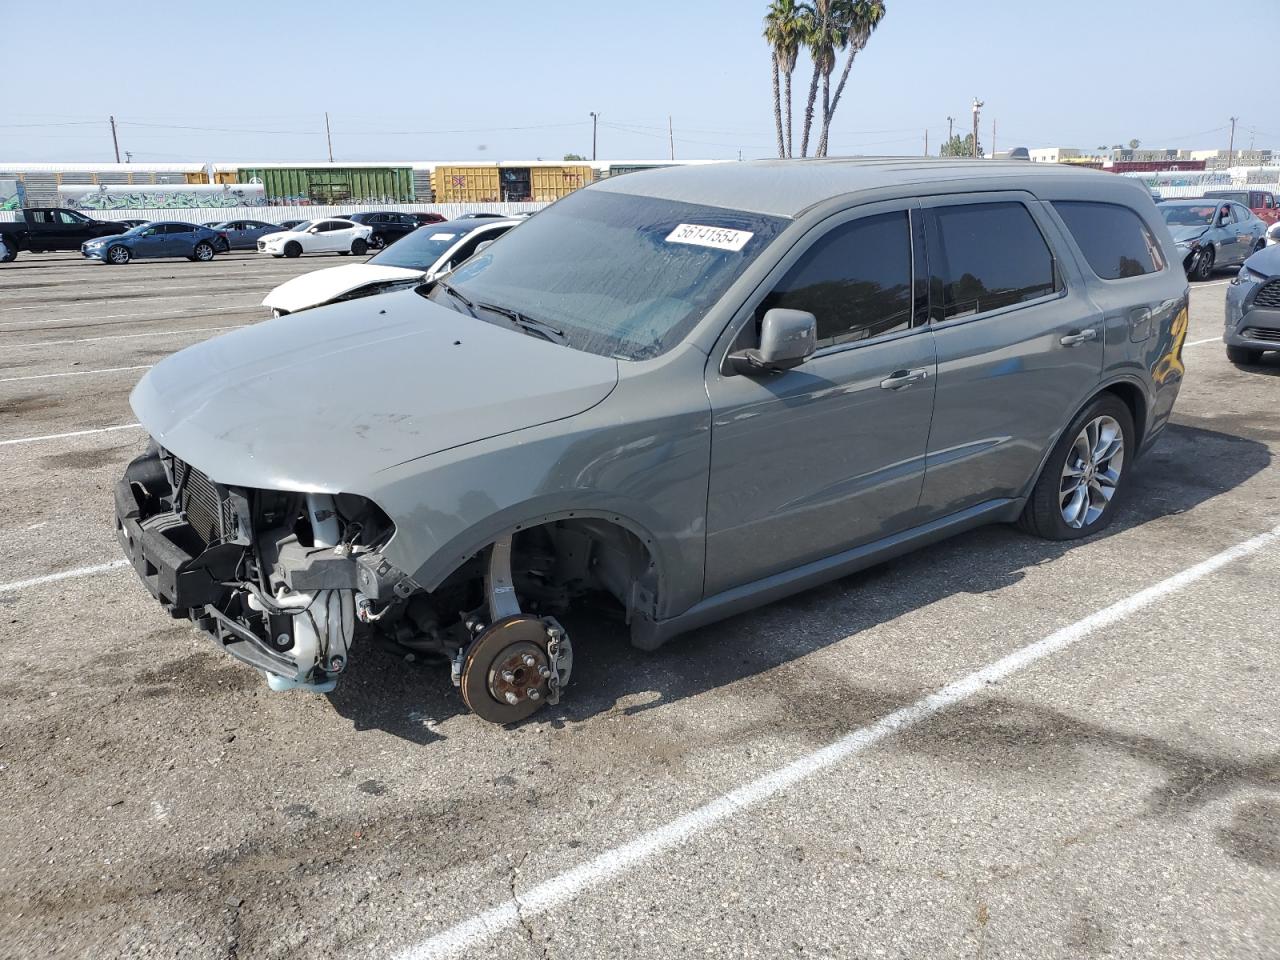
<point x="293" y="249"/>
<point x="376" y="242"/>
<point x="1244" y="356"/>
<point x="359" y="247"/>
<point x="10" y="252"/>
<point x="118" y="255"/>
<point x="1076" y="493"/>
<point x="203" y="252"/>
<point x="1202" y="265"/>
<point x="1260" y="245"/>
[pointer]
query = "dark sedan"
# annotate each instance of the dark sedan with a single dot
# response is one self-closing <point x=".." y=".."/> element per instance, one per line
<point x="157" y="239"/>
<point x="387" y="227"/>
<point x="243" y="234"/>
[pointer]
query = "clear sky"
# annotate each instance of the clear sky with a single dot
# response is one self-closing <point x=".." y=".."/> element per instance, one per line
<point x="502" y="79"/>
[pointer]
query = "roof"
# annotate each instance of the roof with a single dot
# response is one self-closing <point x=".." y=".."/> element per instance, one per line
<point x="787" y="188"/>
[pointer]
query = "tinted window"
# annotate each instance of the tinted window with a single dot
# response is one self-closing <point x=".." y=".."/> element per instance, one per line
<point x="985" y="256"/>
<point x="856" y="280"/>
<point x="66" y="217"/>
<point x="1113" y="239"/>
<point x="41" y="216"/>
<point x="177" y="228"/>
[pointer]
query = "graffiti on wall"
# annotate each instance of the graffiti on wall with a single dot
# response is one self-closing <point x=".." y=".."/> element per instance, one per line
<point x="176" y="197"/>
<point x="11" y="197"/>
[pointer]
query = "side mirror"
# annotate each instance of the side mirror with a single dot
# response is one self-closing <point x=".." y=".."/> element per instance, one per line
<point x="787" y="339"/>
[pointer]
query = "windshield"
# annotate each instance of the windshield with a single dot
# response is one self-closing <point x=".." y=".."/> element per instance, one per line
<point x="300" y="227"/>
<point x="620" y="275"/>
<point x="420" y="249"/>
<point x="1200" y="215"/>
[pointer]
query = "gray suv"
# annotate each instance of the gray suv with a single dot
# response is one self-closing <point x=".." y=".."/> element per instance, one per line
<point x="681" y="393"/>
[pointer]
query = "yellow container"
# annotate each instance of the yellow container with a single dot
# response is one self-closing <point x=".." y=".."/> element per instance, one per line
<point x="471" y="184"/>
<point x="552" y="183"/>
<point x="227" y="176"/>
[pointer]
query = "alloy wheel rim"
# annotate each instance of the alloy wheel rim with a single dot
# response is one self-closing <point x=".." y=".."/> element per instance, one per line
<point x="1092" y="472"/>
<point x="118" y="255"/>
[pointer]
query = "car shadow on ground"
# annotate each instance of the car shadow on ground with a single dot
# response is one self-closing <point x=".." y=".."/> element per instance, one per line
<point x="1189" y="465"/>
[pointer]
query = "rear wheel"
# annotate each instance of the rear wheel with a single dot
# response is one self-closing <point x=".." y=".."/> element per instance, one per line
<point x="359" y="247"/>
<point x="1243" y="356"/>
<point x="204" y="251"/>
<point x="1202" y="266"/>
<point x="293" y="249"/>
<point x="377" y="241"/>
<point x="1076" y="492"/>
<point x="118" y="255"/>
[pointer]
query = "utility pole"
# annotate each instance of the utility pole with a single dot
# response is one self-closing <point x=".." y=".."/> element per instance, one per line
<point x="328" y="136"/>
<point x="951" y="132"/>
<point x="115" y="141"/>
<point x="993" y="138"/>
<point x="671" y="137"/>
<point x="926" y="141"/>
<point x="595" y="119"/>
<point x="1231" y="144"/>
<point x="977" y="107"/>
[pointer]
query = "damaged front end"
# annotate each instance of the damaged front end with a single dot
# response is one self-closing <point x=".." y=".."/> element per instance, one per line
<point x="279" y="579"/>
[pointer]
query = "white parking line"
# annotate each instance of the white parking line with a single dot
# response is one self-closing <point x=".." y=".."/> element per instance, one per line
<point x="120" y="336"/>
<point x="564" y="887"/>
<point x="75" y="373"/>
<point x="1211" y="283"/>
<point x="187" y="296"/>
<point x="73" y="433"/>
<point x="64" y="575"/>
<point x="1196" y="343"/>
<point x="116" y="316"/>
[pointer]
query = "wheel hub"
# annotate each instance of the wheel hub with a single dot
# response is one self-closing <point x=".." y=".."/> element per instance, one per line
<point x="515" y="666"/>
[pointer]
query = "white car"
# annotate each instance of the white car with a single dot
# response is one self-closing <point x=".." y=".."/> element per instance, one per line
<point x="1273" y="234"/>
<point x="427" y="253"/>
<point x="317" y="236"/>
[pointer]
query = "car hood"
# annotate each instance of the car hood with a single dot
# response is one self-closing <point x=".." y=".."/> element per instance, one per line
<point x="325" y="400"/>
<point x="1266" y="262"/>
<point x="1183" y="234"/>
<point x="321" y="286"/>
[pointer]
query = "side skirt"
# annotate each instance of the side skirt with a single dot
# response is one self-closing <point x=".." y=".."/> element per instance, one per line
<point x="649" y="635"/>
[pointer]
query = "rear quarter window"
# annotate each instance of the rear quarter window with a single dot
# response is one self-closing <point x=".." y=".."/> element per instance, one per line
<point x="1112" y="238"/>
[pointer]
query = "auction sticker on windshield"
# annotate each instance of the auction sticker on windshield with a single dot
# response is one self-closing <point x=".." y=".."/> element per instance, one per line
<point x="720" y="238"/>
<point x="443" y="236"/>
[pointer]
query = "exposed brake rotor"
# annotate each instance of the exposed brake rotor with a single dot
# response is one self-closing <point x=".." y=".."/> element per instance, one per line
<point x="515" y="666"/>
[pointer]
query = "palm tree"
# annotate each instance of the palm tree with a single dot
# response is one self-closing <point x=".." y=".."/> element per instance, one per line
<point x="859" y="20"/>
<point x="822" y="38"/>
<point x="784" y="27"/>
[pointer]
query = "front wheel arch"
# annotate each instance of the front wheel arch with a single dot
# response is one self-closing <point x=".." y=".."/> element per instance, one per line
<point x="648" y="567"/>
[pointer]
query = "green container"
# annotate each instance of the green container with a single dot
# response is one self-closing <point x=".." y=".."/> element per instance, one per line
<point x="331" y="185"/>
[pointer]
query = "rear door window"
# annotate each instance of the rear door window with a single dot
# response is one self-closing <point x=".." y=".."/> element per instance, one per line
<point x="856" y="280"/>
<point x="984" y="257"/>
<point x="1112" y="238"/>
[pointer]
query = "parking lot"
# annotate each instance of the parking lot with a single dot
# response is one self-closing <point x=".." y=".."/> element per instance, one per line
<point x="1101" y="776"/>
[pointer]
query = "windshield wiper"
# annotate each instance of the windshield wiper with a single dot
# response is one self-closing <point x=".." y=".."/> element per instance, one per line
<point x="530" y="325"/>
<point x="471" y="307"/>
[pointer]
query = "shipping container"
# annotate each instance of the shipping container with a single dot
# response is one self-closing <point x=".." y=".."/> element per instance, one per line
<point x="466" y="184"/>
<point x="327" y="185"/>
<point x="552" y="183"/>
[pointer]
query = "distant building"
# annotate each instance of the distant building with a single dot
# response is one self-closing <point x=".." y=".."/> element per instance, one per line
<point x="1218" y="160"/>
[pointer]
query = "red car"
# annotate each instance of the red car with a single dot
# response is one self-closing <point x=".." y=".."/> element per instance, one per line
<point x="426" y="218"/>
<point x="1262" y="202"/>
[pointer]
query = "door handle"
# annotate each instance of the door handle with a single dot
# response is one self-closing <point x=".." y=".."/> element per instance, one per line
<point x="1075" y="339"/>
<point x="903" y="378"/>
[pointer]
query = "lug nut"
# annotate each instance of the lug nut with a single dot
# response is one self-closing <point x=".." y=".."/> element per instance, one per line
<point x="528" y="660"/>
<point x="532" y="694"/>
<point x="508" y="676"/>
<point x="512" y="698"/>
<point x="544" y="672"/>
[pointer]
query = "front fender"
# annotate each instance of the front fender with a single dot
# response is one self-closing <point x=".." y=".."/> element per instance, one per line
<point x="639" y="459"/>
